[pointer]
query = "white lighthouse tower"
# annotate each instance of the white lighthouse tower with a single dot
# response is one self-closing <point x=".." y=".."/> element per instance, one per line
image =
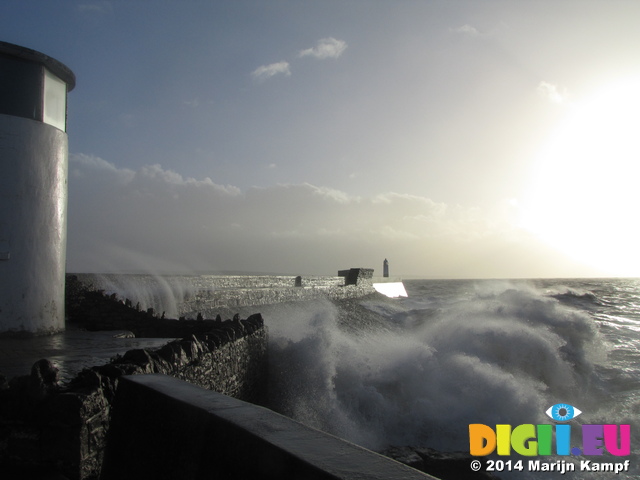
<point x="33" y="190"/>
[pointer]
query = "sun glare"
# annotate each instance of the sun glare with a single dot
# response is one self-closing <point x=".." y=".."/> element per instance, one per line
<point x="584" y="195"/>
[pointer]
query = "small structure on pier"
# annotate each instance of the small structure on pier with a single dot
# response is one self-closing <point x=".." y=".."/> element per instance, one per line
<point x="356" y="276"/>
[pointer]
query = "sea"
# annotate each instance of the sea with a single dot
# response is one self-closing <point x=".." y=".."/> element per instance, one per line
<point x="417" y="371"/>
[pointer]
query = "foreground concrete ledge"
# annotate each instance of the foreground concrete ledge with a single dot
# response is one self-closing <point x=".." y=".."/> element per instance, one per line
<point x="163" y="427"/>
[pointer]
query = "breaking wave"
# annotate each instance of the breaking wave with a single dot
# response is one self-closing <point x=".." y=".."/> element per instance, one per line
<point x="495" y="354"/>
<point x="170" y="294"/>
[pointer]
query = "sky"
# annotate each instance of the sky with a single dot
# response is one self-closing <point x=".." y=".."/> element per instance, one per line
<point x="457" y="139"/>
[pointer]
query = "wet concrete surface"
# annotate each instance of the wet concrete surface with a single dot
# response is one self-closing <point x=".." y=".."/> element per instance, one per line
<point x="70" y="351"/>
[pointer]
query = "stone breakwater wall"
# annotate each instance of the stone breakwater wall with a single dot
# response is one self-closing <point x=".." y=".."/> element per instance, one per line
<point x="219" y="293"/>
<point x="228" y="301"/>
<point x="96" y="309"/>
<point x="49" y="429"/>
<point x="214" y="282"/>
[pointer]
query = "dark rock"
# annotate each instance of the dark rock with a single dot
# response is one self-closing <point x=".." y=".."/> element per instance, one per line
<point x="138" y="356"/>
<point x="191" y="347"/>
<point x="35" y="387"/>
<point x="247" y="326"/>
<point x="443" y="465"/>
<point x="407" y="456"/>
<point x="256" y="319"/>
<point x="213" y="340"/>
<point x="45" y="373"/>
<point x="229" y="330"/>
<point x="238" y="326"/>
<point x="111" y="370"/>
<point x="173" y="353"/>
<point x="88" y="379"/>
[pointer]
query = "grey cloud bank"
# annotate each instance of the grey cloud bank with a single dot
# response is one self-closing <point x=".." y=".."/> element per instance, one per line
<point x="156" y="220"/>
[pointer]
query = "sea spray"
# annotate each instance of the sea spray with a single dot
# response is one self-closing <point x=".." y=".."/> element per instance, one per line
<point x="164" y="293"/>
<point x="497" y="355"/>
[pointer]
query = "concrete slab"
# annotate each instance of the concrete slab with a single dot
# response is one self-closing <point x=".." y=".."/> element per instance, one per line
<point x="163" y="427"/>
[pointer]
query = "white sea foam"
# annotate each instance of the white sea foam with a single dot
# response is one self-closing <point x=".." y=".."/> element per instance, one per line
<point x="499" y="356"/>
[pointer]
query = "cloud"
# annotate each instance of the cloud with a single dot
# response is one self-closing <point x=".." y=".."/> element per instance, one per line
<point x="155" y="219"/>
<point x="325" y="48"/>
<point x="466" y="30"/>
<point x="265" y="72"/>
<point x="81" y="165"/>
<point x="550" y="92"/>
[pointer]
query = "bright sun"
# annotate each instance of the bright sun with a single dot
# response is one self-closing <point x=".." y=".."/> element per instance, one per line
<point x="584" y="197"/>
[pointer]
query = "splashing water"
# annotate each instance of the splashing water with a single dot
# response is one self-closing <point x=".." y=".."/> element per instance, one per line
<point x="169" y="294"/>
<point x="497" y="357"/>
<point x="418" y="370"/>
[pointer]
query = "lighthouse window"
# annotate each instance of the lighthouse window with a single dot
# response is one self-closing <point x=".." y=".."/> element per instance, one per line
<point x="55" y="101"/>
<point x="20" y="88"/>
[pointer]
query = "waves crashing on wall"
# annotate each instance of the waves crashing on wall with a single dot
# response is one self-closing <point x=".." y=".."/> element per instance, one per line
<point x="421" y="375"/>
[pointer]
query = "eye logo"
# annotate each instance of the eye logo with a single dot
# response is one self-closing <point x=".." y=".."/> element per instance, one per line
<point x="562" y="412"/>
<point x="530" y="440"/>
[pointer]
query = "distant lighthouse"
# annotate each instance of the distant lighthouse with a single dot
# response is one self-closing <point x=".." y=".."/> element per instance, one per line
<point x="385" y="268"/>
